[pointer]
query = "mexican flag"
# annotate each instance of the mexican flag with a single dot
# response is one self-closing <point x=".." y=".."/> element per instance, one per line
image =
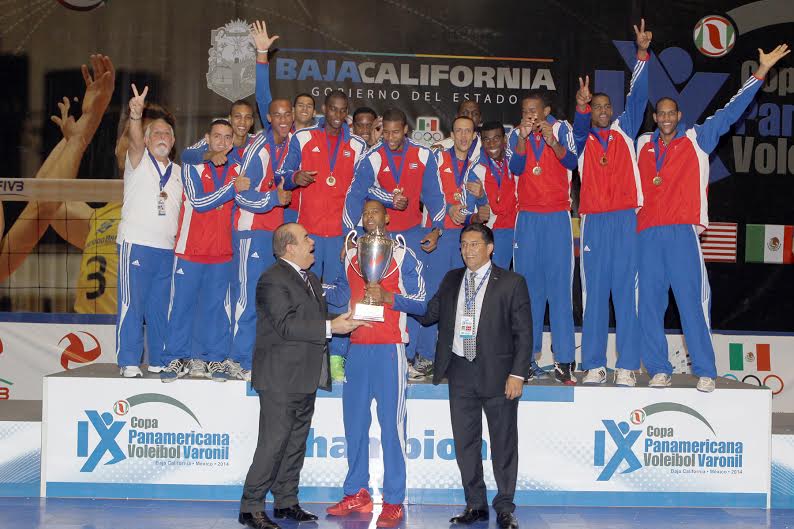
<point x="769" y="243"/>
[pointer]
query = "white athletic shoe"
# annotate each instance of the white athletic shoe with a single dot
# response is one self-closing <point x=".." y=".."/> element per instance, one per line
<point x="155" y="369"/>
<point x="131" y="372"/>
<point x="625" y="377"/>
<point x="706" y="384"/>
<point x="197" y="369"/>
<point x="660" y="380"/>
<point x="597" y="375"/>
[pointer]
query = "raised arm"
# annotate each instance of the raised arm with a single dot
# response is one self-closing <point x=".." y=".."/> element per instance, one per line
<point x="708" y="134"/>
<point x="263" y="42"/>
<point x="135" y="131"/>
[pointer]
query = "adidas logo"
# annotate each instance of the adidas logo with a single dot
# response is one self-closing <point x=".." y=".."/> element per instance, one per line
<point x="316" y="149"/>
<point x="346" y="154"/>
<point x="447" y="170"/>
<point x="387" y="170"/>
<point x="586" y="248"/>
<point x="180" y="272"/>
<point x="255" y="255"/>
<point x="136" y="263"/>
<point x="413" y="165"/>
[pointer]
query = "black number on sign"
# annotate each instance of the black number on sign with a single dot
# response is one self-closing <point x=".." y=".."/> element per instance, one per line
<point x="98" y="276"/>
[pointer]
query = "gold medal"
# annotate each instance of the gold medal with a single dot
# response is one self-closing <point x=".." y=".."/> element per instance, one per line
<point x="657" y="180"/>
<point x="163" y="195"/>
<point x="331" y="181"/>
<point x="398" y="190"/>
<point x="457" y="197"/>
<point x="604" y="160"/>
<point x="537" y="170"/>
<point x="270" y="183"/>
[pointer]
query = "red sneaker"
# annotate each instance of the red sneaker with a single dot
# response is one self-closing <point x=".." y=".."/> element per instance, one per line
<point x="358" y="502"/>
<point x="390" y="516"/>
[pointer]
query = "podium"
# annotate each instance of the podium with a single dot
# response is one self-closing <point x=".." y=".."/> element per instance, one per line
<point x="108" y="437"/>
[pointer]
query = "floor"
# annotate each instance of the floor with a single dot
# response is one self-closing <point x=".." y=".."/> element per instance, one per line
<point x="32" y="513"/>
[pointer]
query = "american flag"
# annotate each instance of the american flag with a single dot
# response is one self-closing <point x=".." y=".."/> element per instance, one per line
<point x="718" y="242"/>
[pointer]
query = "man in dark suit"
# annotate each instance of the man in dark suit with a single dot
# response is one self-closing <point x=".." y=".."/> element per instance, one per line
<point x="484" y="347"/>
<point x="290" y="363"/>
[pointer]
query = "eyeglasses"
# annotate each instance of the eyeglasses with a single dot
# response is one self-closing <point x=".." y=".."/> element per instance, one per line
<point x="473" y="245"/>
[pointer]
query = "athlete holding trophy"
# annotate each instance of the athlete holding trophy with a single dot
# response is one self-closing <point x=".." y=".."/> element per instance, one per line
<point x="386" y="284"/>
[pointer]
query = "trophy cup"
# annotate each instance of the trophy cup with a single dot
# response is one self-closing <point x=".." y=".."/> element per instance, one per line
<point x="374" y="251"/>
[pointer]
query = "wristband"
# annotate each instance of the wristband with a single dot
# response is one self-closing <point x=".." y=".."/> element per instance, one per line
<point x="136" y="119"/>
<point x="261" y="51"/>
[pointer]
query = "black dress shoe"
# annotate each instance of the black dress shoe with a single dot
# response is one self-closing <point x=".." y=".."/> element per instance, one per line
<point x="470" y="516"/>
<point x="296" y="513"/>
<point x="507" y="520"/>
<point x="257" y="520"/>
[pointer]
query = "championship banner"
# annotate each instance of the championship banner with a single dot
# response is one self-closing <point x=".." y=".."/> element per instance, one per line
<point x="110" y="437"/>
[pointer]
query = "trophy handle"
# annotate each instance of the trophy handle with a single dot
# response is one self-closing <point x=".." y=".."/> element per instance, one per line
<point x="400" y="245"/>
<point x="351" y="237"/>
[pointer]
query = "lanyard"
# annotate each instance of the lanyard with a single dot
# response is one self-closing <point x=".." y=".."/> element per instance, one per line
<point x="276" y="160"/>
<point x="332" y="158"/>
<point x="163" y="177"/>
<point x="498" y="170"/>
<point x="470" y="299"/>
<point x="390" y="160"/>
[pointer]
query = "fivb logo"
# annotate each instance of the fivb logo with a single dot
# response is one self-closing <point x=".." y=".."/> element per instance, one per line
<point x="108" y="429"/>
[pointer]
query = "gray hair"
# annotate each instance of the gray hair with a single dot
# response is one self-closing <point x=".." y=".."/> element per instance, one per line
<point x="282" y="237"/>
<point x="147" y="131"/>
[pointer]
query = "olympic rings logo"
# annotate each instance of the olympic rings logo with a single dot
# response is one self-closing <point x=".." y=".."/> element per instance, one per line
<point x="777" y="382"/>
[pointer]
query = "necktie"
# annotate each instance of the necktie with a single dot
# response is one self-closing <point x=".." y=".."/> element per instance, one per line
<point x="305" y="277"/>
<point x="470" y="344"/>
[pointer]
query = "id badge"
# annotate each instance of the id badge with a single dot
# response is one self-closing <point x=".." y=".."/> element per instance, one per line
<point x="467" y="326"/>
<point x="161" y="206"/>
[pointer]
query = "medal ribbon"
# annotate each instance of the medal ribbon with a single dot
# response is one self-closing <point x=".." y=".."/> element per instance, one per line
<point x="163" y="177"/>
<point x="275" y="157"/>
<point x="498" y="169"/>
<point x="537" y="150"/>
<point x="659" y="159"/>
<point x="332" y="158"/>
<point x="396" y="174"/>
<point x="604" y="142"/>
<point x="214" y="172"/>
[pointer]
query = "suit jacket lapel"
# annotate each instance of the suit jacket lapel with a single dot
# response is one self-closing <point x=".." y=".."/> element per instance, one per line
<point x="494" y="276"/>
<point x="461" y="273"/>
<point x="294" y="273"/>
<point x="317" y="287"/>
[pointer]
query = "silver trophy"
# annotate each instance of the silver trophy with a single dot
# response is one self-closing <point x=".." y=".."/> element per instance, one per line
<point x="374" y="251"/>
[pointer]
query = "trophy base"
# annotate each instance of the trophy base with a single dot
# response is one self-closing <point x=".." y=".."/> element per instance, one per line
<point x="367" y="312"/>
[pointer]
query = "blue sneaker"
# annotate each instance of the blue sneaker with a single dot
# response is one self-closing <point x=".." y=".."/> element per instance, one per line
<point x="217" y="371"/>
<point x="173" y="371"/>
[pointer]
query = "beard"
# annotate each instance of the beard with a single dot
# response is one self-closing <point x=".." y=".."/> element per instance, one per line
<point x="161" y="150"/>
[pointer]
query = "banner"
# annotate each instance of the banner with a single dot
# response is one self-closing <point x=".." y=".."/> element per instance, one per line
<point x="107" y="437"/>
<point x="424" y="58"/>
<point x="38" y="345"/>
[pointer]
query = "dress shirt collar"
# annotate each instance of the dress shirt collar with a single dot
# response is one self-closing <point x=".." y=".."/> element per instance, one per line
<point x="480" y="272"/>
<point x="293" y="265"/>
